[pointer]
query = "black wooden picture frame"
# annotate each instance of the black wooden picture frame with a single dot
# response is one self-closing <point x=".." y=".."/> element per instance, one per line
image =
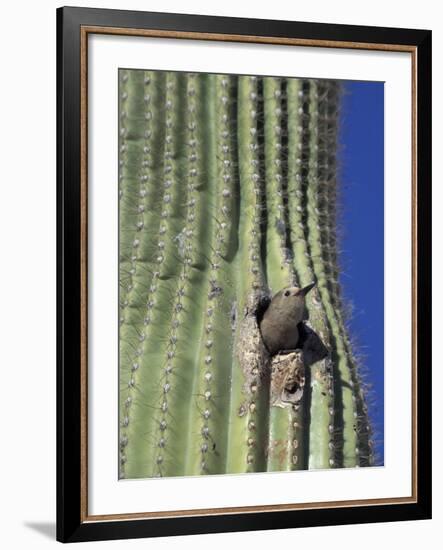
<point x="73" y="25"/>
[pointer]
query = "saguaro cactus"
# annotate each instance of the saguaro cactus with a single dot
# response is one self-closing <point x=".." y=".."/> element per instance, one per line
<point x="228" y="194"/>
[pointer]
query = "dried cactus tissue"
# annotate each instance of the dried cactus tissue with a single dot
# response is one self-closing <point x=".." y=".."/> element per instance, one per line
<point x="235" y="353"/>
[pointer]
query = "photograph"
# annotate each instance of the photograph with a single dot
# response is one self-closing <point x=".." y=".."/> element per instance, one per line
<point x="251" y="273"/>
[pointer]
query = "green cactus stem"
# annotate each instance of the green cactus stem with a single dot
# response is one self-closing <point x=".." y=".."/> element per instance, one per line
<point x="228" y="193"/>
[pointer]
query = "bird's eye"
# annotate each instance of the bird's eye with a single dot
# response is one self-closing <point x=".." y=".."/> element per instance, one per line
<point x="287" y="293"/>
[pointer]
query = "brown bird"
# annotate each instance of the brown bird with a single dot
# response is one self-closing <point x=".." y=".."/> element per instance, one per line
<point x="279" y="324"/>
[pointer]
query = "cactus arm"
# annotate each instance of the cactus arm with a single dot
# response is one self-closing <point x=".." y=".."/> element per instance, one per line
<point x="248" y="409"/>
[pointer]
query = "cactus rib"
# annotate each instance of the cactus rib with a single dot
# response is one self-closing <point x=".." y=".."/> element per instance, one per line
<point x="283" y="453"/>
<point x="247" y="438"/>
<point x="207" y="433"/>
<point x="138" y="177"/>
<point x="327" y="200"/>
<point x="302" y="113"/>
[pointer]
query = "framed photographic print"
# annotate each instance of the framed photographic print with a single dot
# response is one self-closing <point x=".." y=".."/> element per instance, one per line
<point x="244" y="274"/>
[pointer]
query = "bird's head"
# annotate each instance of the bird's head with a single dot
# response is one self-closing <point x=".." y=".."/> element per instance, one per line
<point x="290" y="301"/>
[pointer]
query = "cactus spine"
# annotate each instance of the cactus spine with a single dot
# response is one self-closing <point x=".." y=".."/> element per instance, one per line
<point x="227" y="194"/>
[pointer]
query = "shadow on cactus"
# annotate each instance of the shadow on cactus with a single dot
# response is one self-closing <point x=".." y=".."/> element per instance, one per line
<point x="231" y="359"/>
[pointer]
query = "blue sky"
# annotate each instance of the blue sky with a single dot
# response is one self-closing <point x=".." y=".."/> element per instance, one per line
<point x="361" y="222"/>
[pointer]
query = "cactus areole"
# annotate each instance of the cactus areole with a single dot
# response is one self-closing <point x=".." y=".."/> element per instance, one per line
<point x="230" y="359"/>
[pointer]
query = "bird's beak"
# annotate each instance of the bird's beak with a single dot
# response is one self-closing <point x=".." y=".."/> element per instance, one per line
<point x="306" y="289"/>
